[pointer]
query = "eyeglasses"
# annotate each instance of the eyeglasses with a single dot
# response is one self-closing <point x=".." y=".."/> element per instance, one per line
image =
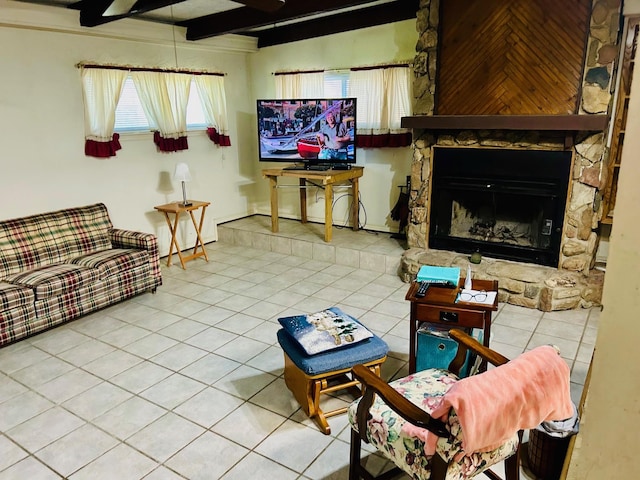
<point x="478" y="297"/>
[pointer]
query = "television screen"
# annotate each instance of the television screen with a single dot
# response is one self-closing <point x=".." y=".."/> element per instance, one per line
<point x="318" y="131"/>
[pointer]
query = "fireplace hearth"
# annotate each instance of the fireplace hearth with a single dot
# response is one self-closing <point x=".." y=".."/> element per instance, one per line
<point x="504" y="203"/>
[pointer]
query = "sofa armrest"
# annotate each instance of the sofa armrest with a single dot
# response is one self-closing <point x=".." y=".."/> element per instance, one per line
<point x="141" y="241"/>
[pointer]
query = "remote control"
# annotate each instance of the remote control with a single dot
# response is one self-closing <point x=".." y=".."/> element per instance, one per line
<point x="422" y="289"/>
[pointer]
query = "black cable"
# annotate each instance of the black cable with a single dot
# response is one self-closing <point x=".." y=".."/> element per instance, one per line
<point x="360" y="207"/>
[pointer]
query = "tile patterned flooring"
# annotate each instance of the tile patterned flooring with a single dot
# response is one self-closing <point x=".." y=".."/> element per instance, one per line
<point x="187" y="383"/>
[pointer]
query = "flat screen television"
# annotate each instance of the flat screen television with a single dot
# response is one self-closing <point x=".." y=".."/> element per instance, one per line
<point x="309" y="132"/>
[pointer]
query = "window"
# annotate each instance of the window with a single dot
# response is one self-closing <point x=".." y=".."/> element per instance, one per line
<point x="130" y="116"/>
<point x="383" y="96"/>
<point x="336" y="84"/>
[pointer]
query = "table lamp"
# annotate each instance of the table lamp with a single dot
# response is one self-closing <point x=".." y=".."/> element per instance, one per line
<point x="182" y="174"/>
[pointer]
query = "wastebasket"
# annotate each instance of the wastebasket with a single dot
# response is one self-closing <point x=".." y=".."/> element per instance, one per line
<point x="546" y="454"/>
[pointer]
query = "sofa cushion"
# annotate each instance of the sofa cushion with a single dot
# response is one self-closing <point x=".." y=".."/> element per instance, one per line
<point x="53" y="280"/>
<point x="112" y="261"/>
<point x="29" y="242"/>
<point x="84" y="229"/>
<point x="14" y="296"/>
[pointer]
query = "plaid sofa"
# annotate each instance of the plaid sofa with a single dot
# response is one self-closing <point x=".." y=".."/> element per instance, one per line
<point x="57" y="266"/>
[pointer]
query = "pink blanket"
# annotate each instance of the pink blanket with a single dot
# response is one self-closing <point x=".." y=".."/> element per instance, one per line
<point x="494" y="405"/>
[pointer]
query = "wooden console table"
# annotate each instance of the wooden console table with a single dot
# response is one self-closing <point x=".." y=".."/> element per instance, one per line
<point x="327" y="178"/>
<point x="176" y="208"/>
<point x="439" y="306"/>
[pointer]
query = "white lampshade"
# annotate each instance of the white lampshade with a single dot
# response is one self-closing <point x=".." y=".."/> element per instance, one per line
<point x="182" y="173"/>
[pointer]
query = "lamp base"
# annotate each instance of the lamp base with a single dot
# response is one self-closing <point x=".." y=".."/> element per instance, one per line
<point x="185" y="204"/>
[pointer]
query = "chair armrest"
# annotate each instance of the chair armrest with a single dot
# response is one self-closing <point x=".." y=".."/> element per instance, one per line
<point x="142" y="241"/>
<point x="372" y="384"/>
<point x="467" y="342"/>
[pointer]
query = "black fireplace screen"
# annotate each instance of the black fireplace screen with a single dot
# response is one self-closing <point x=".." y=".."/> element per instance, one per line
<point x="503" y="203"/>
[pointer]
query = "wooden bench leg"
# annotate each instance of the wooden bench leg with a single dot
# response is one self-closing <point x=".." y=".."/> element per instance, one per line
<point x="308" y="390"/>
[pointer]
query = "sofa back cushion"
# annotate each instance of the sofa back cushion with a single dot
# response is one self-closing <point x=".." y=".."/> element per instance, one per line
<point x="49" y="238"/>
<point x="27" y="243"/>
<point x="84" y="229"/>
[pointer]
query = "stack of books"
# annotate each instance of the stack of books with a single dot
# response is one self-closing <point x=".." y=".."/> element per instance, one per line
<point x="445" y="276"/>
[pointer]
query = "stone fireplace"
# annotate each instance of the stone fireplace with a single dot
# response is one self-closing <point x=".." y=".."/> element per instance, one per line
<point x="541" y="242"/>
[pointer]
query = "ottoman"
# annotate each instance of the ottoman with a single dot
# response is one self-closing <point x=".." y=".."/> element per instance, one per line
<point x="309" y="376"/>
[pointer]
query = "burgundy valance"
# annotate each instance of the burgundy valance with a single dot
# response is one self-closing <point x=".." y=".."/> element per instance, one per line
<point x="393" y="140"/>
<point x="217" y="138"/>
<point x="170" y="144"/>
<point x="94" y="148"/>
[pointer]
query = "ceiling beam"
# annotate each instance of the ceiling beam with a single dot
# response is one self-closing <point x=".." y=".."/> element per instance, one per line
<point x="264" y="5"/>
<point x="341" y="22"/>
<point x="91" y="11"/>
<point x="241" y="19"/>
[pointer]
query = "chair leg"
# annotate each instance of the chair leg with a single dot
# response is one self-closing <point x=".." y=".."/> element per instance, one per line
<point x="512" y="464"/>
<point x="354" y="456"/>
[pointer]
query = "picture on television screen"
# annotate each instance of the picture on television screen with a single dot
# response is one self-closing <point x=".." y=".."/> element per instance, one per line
<point x="310" y="131"/>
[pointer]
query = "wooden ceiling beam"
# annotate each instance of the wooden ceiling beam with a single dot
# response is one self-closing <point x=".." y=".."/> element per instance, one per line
<point x="264" y="5"/>
<point x="91" y="11"/>
<point x="239" y="20"/>
<point x="342" y="22"/>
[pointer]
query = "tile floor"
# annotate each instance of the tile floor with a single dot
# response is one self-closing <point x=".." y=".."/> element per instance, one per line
<point x="187" y="382"/>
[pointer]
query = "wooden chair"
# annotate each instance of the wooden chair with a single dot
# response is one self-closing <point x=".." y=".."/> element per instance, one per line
<point x="415" y="462"/>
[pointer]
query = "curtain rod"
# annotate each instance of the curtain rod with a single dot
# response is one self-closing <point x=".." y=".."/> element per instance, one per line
<point x="146" y="69"/>
<point x="296" y="72"/>
<point x="379" y="67"/>
<point x="353" y="69"/>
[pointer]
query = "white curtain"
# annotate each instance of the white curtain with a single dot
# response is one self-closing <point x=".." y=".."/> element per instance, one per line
<point x="384" y="97"/>
<point x="398" y="93"/>
<point x="300" y="85"/>
<point x="101" y="90"/>
<point x="368" y="87"/>
<point x="164" y="98"/>
<point x="214" y="105"/>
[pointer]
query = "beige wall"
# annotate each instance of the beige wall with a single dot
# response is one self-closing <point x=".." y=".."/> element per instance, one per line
<point x="41" y="121"/>
<point x="385" y="169"/>
<point x="607" y="444"/>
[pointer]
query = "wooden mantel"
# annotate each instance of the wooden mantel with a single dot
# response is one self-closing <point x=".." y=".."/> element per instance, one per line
<point x="565" y="123"/>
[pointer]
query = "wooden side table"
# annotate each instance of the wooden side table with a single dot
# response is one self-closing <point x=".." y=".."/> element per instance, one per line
<point x="176" y="208"/>
<point x="439" y="306"/>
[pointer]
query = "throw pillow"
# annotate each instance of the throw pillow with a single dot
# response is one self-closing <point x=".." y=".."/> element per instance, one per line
<point x="325" y="330"/>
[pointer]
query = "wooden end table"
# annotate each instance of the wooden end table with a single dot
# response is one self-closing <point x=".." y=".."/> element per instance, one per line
<point x="439" y="307"/>
<point x="176" y="208"/>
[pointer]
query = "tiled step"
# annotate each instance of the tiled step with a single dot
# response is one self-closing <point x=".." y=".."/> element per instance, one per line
<point x="375" y="251"/>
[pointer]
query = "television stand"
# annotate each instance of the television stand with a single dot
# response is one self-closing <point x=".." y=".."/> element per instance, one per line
<point x="323" y="179"/>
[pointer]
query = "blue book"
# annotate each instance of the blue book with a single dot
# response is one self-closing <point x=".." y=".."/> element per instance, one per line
<point x="429" y="273"/>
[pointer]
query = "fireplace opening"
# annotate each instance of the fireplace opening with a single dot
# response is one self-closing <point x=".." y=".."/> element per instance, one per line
<point x="503" y="203"/>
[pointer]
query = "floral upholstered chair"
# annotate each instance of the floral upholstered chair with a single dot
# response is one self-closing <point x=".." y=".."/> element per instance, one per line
<point x="432" y="425"/>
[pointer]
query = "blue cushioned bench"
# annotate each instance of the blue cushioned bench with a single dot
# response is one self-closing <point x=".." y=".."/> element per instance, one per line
<point x="309" y="376"/>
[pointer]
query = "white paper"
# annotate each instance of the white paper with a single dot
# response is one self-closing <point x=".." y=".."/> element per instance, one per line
<point x="491" y="296"/>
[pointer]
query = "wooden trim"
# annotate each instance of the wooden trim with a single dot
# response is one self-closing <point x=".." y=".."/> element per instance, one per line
<point x="572" y="441"/>
<point x="568" y="123"/>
